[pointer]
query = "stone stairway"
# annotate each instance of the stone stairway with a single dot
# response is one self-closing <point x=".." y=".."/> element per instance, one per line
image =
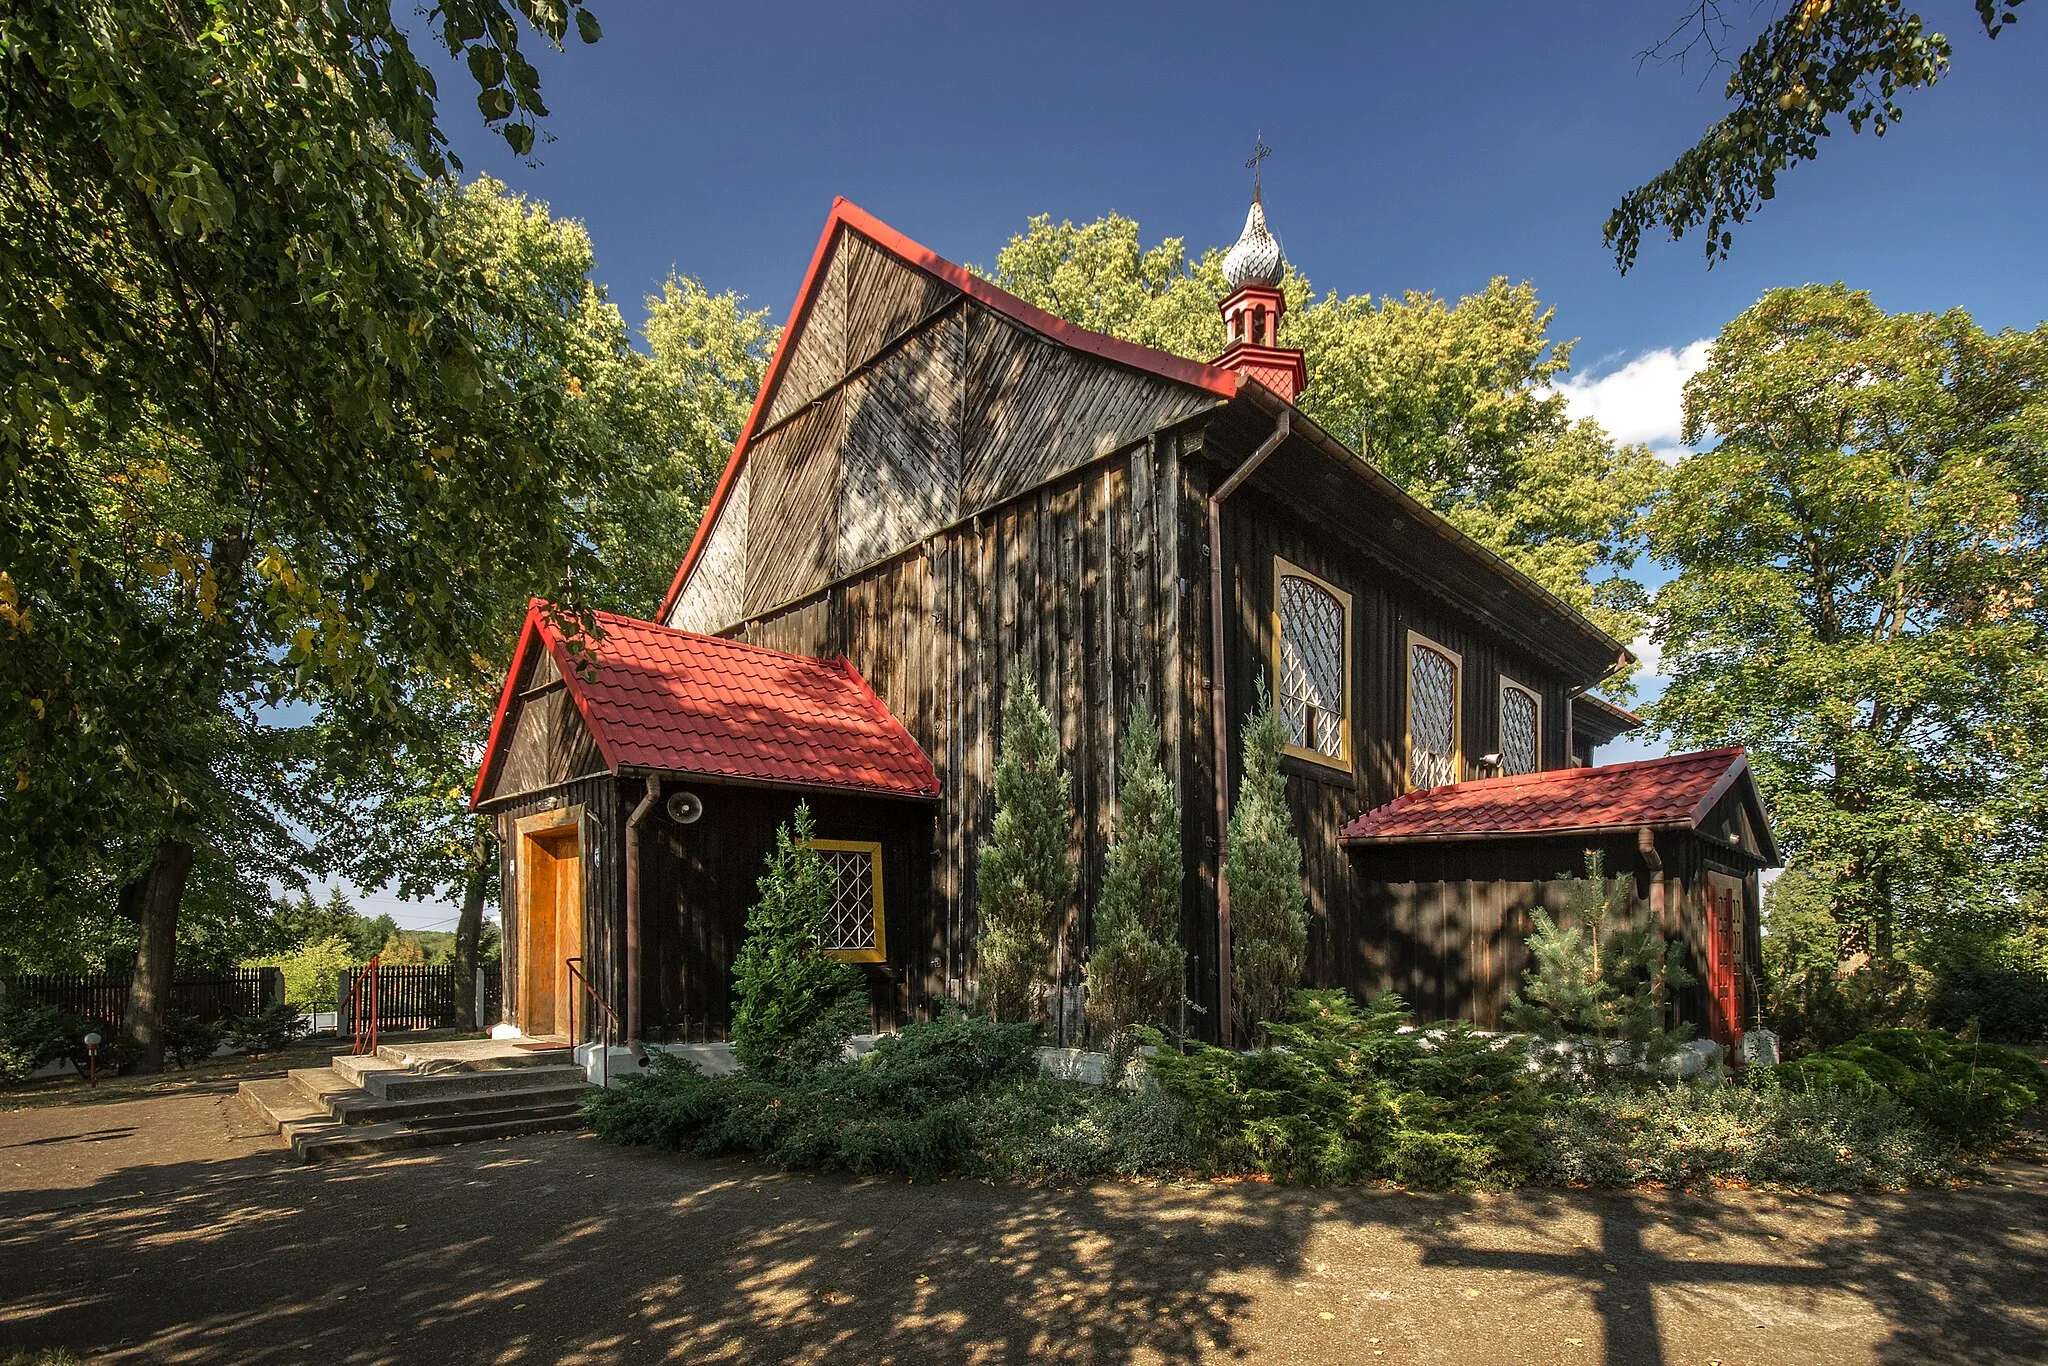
<point x="419" y="1095"/>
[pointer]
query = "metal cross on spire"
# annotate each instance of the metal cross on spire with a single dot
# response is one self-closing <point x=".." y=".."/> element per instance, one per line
<point x="1260" y="151"/>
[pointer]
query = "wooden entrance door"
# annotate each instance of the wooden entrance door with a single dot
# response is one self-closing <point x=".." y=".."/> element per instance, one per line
<point x="1724" y="960"/>
<point x="550" y="922"/>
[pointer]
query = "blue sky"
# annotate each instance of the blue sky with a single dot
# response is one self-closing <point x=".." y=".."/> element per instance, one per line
<point x="1424" y="147"/>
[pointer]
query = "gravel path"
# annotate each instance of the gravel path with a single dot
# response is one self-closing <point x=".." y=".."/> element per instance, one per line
<point x="174" y="1228"/>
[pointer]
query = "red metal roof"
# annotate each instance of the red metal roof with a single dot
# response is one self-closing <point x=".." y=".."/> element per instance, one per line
<point x="1675" y="791"/>
<point x="671" y="701"/>
<point x="845" y="213"/>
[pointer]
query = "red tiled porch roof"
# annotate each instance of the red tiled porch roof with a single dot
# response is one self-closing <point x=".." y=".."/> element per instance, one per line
<point x="666" y="701"/>
<point x="1676" y="791"/>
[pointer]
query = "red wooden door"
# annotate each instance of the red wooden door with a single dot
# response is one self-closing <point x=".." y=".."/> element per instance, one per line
<point x="1724" y="961"/>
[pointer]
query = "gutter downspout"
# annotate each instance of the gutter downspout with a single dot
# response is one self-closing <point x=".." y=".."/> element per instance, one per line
<point x="639" y="814"/>
<point x="1219" y="711"/>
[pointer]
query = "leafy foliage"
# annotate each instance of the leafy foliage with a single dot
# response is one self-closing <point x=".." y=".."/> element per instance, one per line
<point x="1345" y="1095"/>
<point x="909" y="1106"/>
<point x="1137" y="972"/>
<point x="33" y="1035"/>
<point x="1604" y="993"/>
<point x="1817" y="65"/>
<point x="1696" y="1135"/>
<point x="793" y="1007"/>
<point x="1268" y="910"/>
<point x="1456" y="402"/>
<point x="1857" y="598"/>
<point x="1965" y="1093"/>
<point x="1993" y="983"/>
<point x="1026" y="874"/>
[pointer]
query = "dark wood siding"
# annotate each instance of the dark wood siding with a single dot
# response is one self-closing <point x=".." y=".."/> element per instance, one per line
<point x="699" y="881"/>
<point x="546" y="739"/>
<point x="1351" y="942"/>
<point x="1077" y="584"/>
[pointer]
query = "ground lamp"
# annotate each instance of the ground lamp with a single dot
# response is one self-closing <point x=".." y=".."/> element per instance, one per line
<point x="92" y="1059"/>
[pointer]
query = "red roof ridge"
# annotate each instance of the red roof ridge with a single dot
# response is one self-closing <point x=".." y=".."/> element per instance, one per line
<point x="845" y="213"/>
<point x="662" y="699"/>
<point x="1607" y="797"/>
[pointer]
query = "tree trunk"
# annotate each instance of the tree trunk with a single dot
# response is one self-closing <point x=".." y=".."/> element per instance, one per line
<point x="149" y="991"/>
<point x="468" y="933"/>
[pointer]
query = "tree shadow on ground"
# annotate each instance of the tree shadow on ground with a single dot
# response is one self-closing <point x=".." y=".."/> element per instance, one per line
<point x="560" y="1248"/>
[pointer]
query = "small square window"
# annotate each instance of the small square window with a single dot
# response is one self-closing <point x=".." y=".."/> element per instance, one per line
<point x="854" y="930"/>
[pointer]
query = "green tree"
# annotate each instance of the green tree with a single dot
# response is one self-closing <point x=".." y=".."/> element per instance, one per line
<point x="1858" y="565"/>
<point x="1268" y="911"/>
<point x="1456" y="402"/>
<point x="1137" y="972"/>
<point x="1817" y="65"/>
<point x="1605" y="991"/>
<point x="254" y="450"/>
<point x="793" y="1006"/>
<point x="1026" y="873"/>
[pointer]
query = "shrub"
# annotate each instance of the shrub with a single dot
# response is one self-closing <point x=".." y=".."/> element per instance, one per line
<point x="793" y="1006"/>
<point x="1064" y="1131"/>
<point x="1025" y="878"/>
<point x="1345" y="1096"/>
<point x="1701" y="1133"/>
<point x="189" y="1039"/>
<point x="1137" y="973"/>
<point x="270" y="1030"/>
<point x="1963" y="1093"/>
<point x="1993" y="984"/>
<point x="1268" y="922"/>
<point x="312" y="971"/>
<point x="909" y="1106"/>
<point x="1606" y="994"/>
<point x="33" y="1035"/>
<point x="1817" y="1007"/>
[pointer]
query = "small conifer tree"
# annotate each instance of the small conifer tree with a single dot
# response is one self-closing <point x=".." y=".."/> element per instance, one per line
<point x="793" y="1006"/>
<point x="1268" y="913"/>
<point x="1026" y="874"/>
<point x="1605" y="993"/>
<point x="1136" y="973"/>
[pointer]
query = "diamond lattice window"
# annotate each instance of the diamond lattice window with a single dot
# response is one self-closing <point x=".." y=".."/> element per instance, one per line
<point x="853" y="917"/>
<point x="1518" y="724"/>
<point x="1311" y="666"/>
<point x="1432" y="717"/>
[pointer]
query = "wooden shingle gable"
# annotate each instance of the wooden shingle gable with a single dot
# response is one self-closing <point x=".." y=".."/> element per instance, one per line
<point x="907" y="397"/>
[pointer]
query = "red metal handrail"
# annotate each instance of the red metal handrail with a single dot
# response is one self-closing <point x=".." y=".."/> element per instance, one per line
<point x="355" y="990"/>
<point x="611" y="1017"/>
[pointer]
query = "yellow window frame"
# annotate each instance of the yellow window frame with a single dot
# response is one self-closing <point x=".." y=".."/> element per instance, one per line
<point x="1341" y="761"/>
<point x="1457" y="660"/>
<point x="1500" y="717"/>
<point x="873" y="849"/>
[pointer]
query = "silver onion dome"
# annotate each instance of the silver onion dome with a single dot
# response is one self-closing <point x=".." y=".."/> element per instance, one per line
<point x="1256" y="259"/>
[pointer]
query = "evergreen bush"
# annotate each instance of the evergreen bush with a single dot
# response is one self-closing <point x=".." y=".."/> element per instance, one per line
<point x="1268" y="915"/>
<point x="1026" y="874"/>
<point x="793" y="1006"/>
<point x="33" y="1035"/>
<point x="1137" y="973"/>
<point x="1964" y="1093"/>
<point x="1604" y="994"/>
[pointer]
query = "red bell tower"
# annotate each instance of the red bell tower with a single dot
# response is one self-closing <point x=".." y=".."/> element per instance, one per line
<point x="1254" y="269"/>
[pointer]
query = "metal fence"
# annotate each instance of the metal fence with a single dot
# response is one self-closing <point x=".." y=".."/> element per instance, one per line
<point x="103" y="996"/>
<point x="416" y="996"/>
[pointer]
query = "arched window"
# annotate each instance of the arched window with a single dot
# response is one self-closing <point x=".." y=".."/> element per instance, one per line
<point x="1433" y="689"/>
<point x="1521" y="729"/>
<point x="1312" y="665"/>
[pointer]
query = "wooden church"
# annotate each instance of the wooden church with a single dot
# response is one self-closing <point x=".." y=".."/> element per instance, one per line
<point x="942" y="487"/>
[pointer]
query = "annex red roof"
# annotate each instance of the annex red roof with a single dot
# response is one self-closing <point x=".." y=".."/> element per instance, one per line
<point x="668" y="701"/>
<point x="845" y="213"/>
<point x="1677" y="791"/>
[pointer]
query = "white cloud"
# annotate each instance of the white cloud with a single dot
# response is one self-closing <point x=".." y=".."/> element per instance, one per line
<point x="1649" y="659"/>
<point x="1643" y="401"/>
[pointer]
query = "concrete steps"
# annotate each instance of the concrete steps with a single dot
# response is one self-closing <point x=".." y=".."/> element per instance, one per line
<point x="413" y="1096"/>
